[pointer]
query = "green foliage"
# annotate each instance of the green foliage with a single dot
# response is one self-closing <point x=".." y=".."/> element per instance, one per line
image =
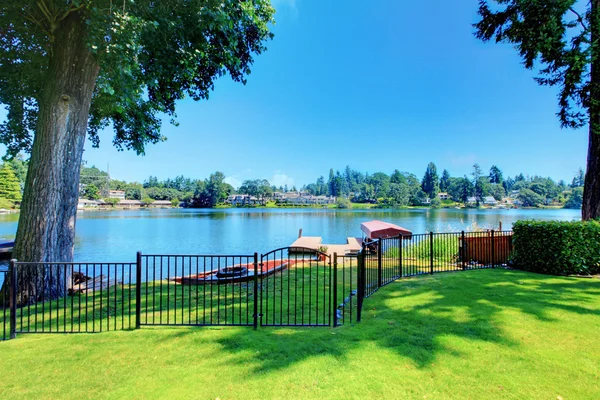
<point x="575" y="198"/>
<point x="19" y="166"/>
<point x="111" y="201"/>
<point x="91" y="192"/>
<point x="147" y="200"/>
<point x="460" y="189"/>
<point x="93" y="176"/>
<point x="497" y="191"/>
<point x="552" y="35"/>
<point x="10" y="188"/>
<point x="343" y="202"/>
<point x="256" y="187"/>
<point x="175" y="202"/>
<point x="430" y="182"/>
<point x="445" y="181"/>
<point x="150" y="55"/>
<point x="496" y="175"/>
<point x="444" y="249"/>
<point x="557" y="247"/>
<point x="6" y="204"/>
<point x="579" y="179"/>
<point x="435" y="202"/>
<point x="529" y="198"/>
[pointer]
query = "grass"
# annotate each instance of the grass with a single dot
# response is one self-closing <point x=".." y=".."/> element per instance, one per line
<point x="476" y="334"/>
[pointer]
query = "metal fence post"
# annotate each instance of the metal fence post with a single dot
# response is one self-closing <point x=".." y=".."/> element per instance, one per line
<point x="400" y="255"/>
<point x="138" y="290"/>
<point x="431" y="251"/>
<point x="493" y="250"/>
<point x="379" y="263"/>
<point x="361" y="284"/>
<point x="13" y="298"/>
<point x="335" y="282"/>
<point x="255" y="314"/>
<point x="463" y="247"/>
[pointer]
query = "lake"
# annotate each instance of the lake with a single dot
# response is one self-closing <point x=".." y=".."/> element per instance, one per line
<point x="117" y="235"/>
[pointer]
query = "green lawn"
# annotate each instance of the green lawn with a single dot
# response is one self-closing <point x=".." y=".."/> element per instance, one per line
<point x="474" y="334"/>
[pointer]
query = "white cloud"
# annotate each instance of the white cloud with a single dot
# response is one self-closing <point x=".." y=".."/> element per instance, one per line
<point x="280" y="179"/>
<point x="235" y="182"/>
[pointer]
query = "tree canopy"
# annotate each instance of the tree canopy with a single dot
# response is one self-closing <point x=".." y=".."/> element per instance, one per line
<point x="150" y="54"/>
<point x="560" y="39"/>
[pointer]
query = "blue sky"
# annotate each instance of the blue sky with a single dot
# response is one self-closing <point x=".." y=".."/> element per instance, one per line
<point x="376" y="85"/>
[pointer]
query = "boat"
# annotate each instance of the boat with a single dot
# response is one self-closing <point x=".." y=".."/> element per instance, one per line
<point x="381" y="230"/>
<point x="235" y="273"/>
<point x="6" y="248"/>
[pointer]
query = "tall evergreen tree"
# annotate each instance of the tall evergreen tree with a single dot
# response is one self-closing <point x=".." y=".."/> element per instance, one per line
<point x="562" y="38"/>
<point x="496" y="175"/>
<point x="430" y="182"/>
<point x="445" y="181"/>
<point x="477" y="183"/>
<point x="331" y="183"/>
<point x="10" y="188"/>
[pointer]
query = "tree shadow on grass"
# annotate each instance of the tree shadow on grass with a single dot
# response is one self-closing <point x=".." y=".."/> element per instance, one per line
<point x="411" y="316"/>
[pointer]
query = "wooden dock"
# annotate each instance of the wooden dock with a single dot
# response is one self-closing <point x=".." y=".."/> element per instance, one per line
<point x="352" y="246"/>
<point x="307" y="242"/>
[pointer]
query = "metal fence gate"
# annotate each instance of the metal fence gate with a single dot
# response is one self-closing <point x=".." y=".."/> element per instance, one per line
<point x="296" y="288"/>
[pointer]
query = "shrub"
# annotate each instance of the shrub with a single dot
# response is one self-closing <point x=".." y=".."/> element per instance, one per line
<point x="343" y="202"/>
<point x="557" y="247"/>
<point x="435" y="202"/>
<point x="445" y="248"/>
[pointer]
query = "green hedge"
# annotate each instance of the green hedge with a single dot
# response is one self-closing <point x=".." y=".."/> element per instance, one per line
<point x="557" y="247"/>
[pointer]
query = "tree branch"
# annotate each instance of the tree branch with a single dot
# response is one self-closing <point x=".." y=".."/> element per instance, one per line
<point x="44" y="8"/>
<point x="579" y="18"/>
<point x="31" y="18"/>
<point x="69" y="11"/>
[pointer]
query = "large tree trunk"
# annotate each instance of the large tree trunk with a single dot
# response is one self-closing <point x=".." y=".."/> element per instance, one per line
<point x="46" y="230"/>
<point x="591" y="192"/>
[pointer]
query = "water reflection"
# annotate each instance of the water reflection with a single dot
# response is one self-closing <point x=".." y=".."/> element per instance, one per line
<point x="117" y="235"/>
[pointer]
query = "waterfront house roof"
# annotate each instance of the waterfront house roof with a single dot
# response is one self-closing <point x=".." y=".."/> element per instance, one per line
<point x="130" y="202"/>
<point x="380" y="229"/>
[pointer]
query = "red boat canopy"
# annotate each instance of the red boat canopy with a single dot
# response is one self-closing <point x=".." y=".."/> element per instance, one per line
<point x="380" y="229"/>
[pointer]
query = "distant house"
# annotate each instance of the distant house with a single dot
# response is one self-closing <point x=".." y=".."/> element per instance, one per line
<point x="160" y="204"/>
<point x="130" y="203"/>
<point x="240" y="200"/>
<point x="490" y="201"/>
<point x="85" y="203"/>
<point x="443" y="196"/>
<point x="471" y="200"/>
<point x="302" y="198"/>
<point x="116" y="194"/>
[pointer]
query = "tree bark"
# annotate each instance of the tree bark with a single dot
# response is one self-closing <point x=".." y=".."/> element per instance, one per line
<point x="46" y="230"/>
<point x="591" y="192"/>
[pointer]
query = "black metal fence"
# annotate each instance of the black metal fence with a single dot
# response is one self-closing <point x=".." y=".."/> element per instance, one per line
<point x="5" y="309"/>
<point x="385" y="260"/>
<point x="73" y="297"/>
<point x="284" y="287"/>
<point x="197" y="289"/>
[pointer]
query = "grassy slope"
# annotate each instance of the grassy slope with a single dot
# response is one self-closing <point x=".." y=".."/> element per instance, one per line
<point x="475" y="334"/>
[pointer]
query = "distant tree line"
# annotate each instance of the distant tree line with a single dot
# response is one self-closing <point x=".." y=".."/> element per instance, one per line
<point x="398" y="189"/>
<point x="405" y="189"/>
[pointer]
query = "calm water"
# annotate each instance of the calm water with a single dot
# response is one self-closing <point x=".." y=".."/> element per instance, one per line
<point x="117" y="235"/>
